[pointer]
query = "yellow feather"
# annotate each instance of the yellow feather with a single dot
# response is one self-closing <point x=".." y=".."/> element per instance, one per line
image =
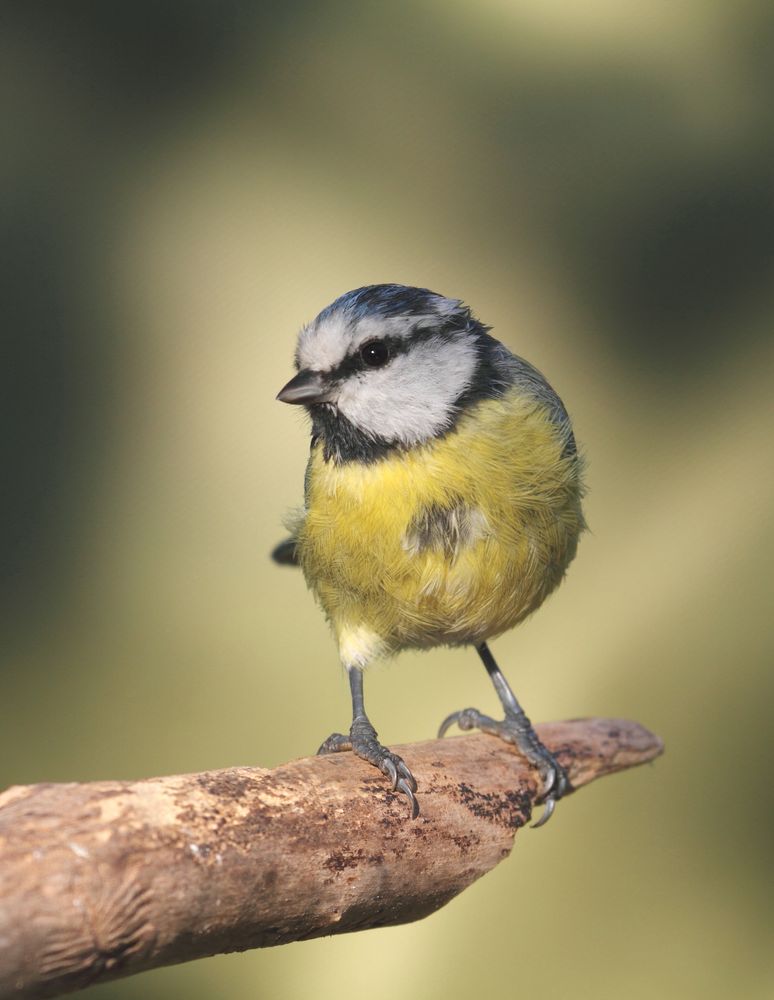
<point x="504" y="461"/>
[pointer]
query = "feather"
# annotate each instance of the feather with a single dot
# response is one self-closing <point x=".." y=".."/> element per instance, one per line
<point x="286" y="552"/>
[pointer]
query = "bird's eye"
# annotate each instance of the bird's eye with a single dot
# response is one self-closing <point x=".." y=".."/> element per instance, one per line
<point x="375" y="353"/>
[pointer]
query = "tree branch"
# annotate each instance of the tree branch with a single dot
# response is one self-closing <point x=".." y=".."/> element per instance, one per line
<point x="106" y="879"/>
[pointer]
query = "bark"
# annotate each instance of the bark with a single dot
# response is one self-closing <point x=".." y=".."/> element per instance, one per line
<point x="108" y="878"/>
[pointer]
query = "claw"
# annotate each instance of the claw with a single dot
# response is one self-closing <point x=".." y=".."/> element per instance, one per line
<point x="556" y="785"/>
<point x="402" y="779"/>
<point x="549" y="805"/>
<point x="407" y="776"/>
<point x="447" y="723"/>
<point x="404" y="787"/>
<point x="550" y="781"/>
<point x="519" y="732"/>
<point x="362" y="740"/>
<point x="387" y="766"/>
<point x="463" y="718"/>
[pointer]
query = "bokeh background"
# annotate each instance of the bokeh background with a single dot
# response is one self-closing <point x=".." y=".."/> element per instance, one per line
<point x="184" y="184"/>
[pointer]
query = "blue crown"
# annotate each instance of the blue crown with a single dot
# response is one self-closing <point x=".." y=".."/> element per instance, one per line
<point x="394" y="300"/>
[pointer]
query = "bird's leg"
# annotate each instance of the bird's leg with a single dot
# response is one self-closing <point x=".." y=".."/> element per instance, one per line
<point x="363" y="742"/>
<point x="517" y="729"/>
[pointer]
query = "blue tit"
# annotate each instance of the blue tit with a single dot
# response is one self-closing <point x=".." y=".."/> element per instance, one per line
<point x="442" y="498"/>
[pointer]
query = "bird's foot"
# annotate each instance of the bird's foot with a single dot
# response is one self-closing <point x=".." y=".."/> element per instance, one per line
<point x="517" y="729"/>
<point x="362" y="741"/>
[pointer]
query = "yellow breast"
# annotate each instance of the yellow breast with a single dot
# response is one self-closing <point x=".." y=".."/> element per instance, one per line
<point x="503" y="468"/>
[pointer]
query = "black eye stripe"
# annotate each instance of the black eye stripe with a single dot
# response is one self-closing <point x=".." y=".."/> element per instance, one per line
<point x="395" y="346"/>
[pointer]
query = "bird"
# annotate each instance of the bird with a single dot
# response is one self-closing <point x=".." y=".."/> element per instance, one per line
<point x="442" y="499"/>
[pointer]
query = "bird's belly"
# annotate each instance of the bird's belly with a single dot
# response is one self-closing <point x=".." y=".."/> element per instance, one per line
<point x="357" y="558"/>
<point x="427" y="599"/>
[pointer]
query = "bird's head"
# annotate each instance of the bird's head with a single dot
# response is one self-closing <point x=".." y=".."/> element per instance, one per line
<point x="387" y="366"/>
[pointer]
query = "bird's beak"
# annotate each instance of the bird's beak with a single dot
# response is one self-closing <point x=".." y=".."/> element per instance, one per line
<point x="306" y="387"/>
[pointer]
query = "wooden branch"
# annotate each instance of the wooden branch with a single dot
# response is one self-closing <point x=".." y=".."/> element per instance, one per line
<point x="106" y="879"/>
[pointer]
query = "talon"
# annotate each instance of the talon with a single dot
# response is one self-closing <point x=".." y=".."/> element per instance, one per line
<point x="556" y="785"/>
<point x="447" y="723"/>
<point x="404" y="787"/>
<point x="402" y="779"/>
<point x="407" y="776"/>
<point x="362" y="740"/>
<point x="466" y="718"/>
<point x="550" y="781"/>
<point x="517" y="730"/>
<point x="549" y="805"/>
<point x="387" y="766"/>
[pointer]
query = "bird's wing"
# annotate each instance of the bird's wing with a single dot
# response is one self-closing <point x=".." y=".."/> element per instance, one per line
<point x="286" y="553"/>
<point x="518" y="372"/>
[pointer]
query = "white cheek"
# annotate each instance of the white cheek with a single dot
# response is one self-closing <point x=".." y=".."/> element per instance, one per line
<point x="411" y="399"/>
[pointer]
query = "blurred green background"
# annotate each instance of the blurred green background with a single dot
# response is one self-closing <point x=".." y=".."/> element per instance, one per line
<point x="184" y="184"/>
